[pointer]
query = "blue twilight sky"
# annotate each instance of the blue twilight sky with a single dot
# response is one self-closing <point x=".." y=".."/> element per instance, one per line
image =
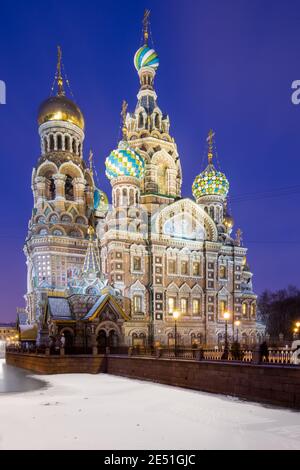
<point x="225" y="64"/>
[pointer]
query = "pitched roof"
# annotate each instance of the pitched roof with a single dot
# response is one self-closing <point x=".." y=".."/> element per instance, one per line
<point x="59" y="308"/>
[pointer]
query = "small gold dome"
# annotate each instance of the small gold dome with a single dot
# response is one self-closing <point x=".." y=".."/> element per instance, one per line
<point x="228" y="221"/>
<point x="60" y="108"/>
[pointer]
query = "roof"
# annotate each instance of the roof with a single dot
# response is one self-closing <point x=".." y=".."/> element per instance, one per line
<point x="59" y="308"/>
<point x="28" y="332"/>
<point x="95" y="306"/>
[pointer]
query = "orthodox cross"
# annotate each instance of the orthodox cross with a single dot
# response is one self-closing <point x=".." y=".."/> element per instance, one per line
<point x="123" y="114"/>
<point x="146" y="25"/>
<point x="210" y="145"/>
<point x="59" y="79"/>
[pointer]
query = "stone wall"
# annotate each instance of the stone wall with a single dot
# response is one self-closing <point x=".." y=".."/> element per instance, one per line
<point x="41" y="364"/>
<point x="277" y="385"/>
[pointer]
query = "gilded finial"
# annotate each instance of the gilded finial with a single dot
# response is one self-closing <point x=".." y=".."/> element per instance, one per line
<point x="91" y="232"/>
<point x="146" y="26"/>
<point x="210" y="145"/>
<point x="91" y="155"/>
<point x="59" y="78"/>
<point x="123" y="114"/>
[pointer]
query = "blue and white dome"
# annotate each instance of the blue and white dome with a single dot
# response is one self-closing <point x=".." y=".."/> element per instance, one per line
<point x="124" y="161"/>
<point x="146" y="57"/>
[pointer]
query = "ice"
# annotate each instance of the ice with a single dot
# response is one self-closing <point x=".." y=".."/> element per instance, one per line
<point x="81" y="411"/>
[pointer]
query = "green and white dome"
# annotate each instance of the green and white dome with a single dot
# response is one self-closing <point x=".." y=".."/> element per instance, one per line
<point x="146" y="57"/>
<point x="210" y="182"/>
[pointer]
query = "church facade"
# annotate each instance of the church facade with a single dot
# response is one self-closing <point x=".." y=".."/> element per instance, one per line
<point x="103" y="273"/>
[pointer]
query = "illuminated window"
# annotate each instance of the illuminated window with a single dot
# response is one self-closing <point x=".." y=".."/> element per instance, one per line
<point x="171" y="304"/>
<point x="196" y="306"/>
<point x="222" y="272"/>
<point x="137" y="303"/>
<point x="137" y="263"/>
<point x="196" y="268"/>
<point x="184" y="306"/>
<point x="172" y="266"/>
<point x="244" y="308"/>
<point x="184" y="267"/>
<point x="223" y="307"/>
<point x="252" y="310"/>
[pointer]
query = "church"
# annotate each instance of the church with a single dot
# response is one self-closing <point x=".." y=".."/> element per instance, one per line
<point x="114" y="274"/>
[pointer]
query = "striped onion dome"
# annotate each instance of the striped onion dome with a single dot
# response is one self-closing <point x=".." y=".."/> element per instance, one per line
<point x="146" y="57"/>
<point x="124" y="161"/>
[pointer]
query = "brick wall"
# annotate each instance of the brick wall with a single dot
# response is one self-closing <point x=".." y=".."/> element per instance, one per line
<point x="41" y="364"/>
<point x="278" y="385"/>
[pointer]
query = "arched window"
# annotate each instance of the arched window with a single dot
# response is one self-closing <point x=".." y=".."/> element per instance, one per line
<point x="252" y="310"/>
<point x="141" y="121"/>
<point x="79" y="149"/>
<point x="74" y="146"/>
<point x="157" y="121"/>
<point x="244" y="308"/>
<point x="124" y="197"/>
<point x="51" y="142"/>
<point x="52" y="189"/>
<point x="222" y="272"/>
<point x="67" y="143"/>
<point x="45" y="144"/>
<point x="59" y="142"/>
<point x="69" y="189"/>
<point x="162" y="179"/>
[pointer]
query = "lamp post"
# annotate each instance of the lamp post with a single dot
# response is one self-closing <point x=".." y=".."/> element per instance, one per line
<point x="296" y="331"/>
<point x="226" y="348"/>
<point x="237" y="324"/>
<point x="175" y="316"/>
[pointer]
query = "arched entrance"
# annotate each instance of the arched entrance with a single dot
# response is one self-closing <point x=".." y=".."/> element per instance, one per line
<point x="113" y="340"/>
<point x="102" y="340"/>
<point x="69" y="339"/>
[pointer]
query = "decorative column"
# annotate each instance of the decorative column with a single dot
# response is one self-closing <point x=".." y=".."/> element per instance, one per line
<point x="79" y="187"/>
<point x="40" y="183"/>
<point x="60" y="200"/>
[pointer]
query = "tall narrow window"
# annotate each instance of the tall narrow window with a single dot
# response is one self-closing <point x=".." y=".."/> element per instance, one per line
<point x="171" y="305"/>
<point x="184" y="267"/>
<point x="196" y="306"/>
<point x="137" y="304"/>
<point x="196" y="268"/>
<point x="222" y="272"/>
<point x="172" y="266"/>
<point x="184" y="306"/>
<point x="223" y="307"/>
<point x="244" y="308"/>
<point x="69" y="189"/>
<point x="137" y="263"/>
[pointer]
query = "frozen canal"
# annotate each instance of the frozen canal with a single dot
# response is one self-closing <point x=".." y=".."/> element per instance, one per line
<point x="107" y="412"/>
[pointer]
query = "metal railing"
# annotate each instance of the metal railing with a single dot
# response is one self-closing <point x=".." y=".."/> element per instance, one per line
<point x="273" y="356"/>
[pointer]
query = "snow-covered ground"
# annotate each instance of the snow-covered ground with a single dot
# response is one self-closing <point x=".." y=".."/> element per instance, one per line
<point x="108" y="412"/>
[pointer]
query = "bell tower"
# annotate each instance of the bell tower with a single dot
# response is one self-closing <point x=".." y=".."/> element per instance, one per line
<point x="63" y="197"/>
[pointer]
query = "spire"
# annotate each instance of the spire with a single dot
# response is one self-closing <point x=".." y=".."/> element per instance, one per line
<point x="146" y="26"/>
<point x="91" y="265"/>
<point x="58" y="75"/>
<point x="123" y="114"/>
<point x="210" y="141"/>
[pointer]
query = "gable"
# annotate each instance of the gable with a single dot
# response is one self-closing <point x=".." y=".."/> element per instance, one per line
<point x="106" y="308"/>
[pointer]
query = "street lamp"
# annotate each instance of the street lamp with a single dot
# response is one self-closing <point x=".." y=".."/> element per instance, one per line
<point x="226" y="349"/>
<point x="175" y="316"/>
<point x="237" y="324"/>
<point x="296" y="330"/>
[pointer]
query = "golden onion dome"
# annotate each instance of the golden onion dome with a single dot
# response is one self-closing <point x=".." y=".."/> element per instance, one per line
<point x="228" y="221"/>
<point x="60" y="108"/>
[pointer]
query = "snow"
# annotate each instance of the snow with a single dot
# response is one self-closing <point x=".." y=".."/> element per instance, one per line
<point x="81" y="411"/>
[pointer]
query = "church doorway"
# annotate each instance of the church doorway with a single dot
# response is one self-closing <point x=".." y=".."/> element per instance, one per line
<point x="113" y="340"/>
<point x="102" y="340"/>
